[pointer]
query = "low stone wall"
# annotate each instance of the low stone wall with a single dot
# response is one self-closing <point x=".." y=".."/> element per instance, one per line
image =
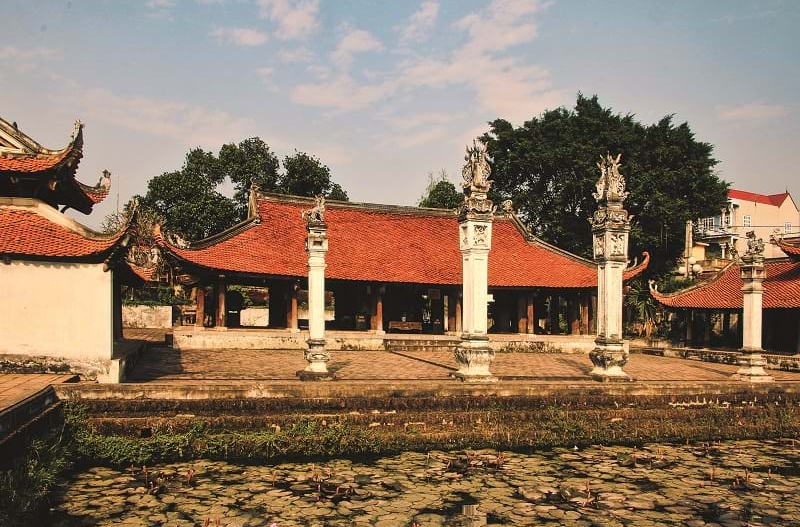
<point x="147" y="316"/>
<point x="187" y="338"/>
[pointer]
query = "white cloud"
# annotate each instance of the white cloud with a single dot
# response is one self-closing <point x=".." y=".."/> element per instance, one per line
<point x="355" y="41"/>
<point x="296" y="55"/>
<point x="239" y="36"/>
<point x="266" y="76"/>
<point x="420" y="24"/>
<point x="420" y="137"/>
<point x="296" y="19"/>
<point x="407" y="122"/>
<point x="15" y="53"/>
<point x="755" y="111"/>
<point x="342" y="93"/>
<point x="160" y="9"/>
<point x="184" y="123"/>
<point x="503" y="85"/>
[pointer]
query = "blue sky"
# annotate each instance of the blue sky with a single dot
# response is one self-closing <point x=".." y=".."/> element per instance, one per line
<point x="386" y="92"/>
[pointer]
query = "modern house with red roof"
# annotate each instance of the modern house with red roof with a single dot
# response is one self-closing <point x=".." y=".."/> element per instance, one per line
<point x="389" y="269"/>
<point x="766" y="215"/>
<point x="60" y="280"/>
<point x="714" y="305"/>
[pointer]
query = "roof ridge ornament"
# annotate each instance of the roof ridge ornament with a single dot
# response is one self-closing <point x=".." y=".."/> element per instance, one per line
<point x="477" y="169"/>
<point x="611" y="185"/>
<point x="315" y="216"/>
<point x="755" y="247"/>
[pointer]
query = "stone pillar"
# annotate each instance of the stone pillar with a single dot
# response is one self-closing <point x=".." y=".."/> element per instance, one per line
<point x="200" y="301"/>
<point x="610" y="229"/>
<point x="316" y="247"/>
<point x="473" y="354"/>
<point x="751" y="365"/>
<point x="292" y="322"/>
<point x="222" y="315"/>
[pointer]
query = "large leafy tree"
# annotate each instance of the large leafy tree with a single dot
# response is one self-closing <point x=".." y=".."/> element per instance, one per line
<point x="191" y="204"/>
<point x="307" y="176"/>
<point x="440" y="193"/>
<point x="547" y="167"/>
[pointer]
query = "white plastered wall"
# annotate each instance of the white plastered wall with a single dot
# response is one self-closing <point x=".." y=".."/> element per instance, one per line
<point x="56" y="309"/>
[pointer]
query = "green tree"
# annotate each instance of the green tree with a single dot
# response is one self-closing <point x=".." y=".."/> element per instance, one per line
<point x="547" y="167"/>
<point x="249" y="161"/>
<point x="191" y="204"/>
<point x="305" y="175"/>
<point x="440" y="193"/>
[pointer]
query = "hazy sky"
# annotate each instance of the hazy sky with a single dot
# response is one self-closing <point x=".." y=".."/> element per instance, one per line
<point x="385" y="92"/>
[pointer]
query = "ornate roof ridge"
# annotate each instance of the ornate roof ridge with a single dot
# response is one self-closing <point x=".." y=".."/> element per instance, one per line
<point x="374" y="207"/>
<point x="693" y="287"/>
<point x="28" y="147"/>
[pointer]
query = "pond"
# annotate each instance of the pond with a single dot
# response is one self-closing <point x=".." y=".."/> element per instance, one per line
<point x="734" y="483"/>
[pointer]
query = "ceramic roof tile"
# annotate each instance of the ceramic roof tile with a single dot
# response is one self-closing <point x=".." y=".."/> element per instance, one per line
<point x="724" y="291"/>
<point x="26" y="232"/>
<point x="386" y="244"/>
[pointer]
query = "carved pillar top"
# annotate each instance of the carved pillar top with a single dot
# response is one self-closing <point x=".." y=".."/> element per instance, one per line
<point x="752" y="266"/>
<point x="317" y="241"/>
<point x="610" y="222"/>
<point x="476" y="184"/>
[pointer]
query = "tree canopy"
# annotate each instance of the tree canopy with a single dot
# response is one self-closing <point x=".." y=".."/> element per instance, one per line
<point x="548" y="168"/>
<point x="440" y="193"/>
<point x="190" y="201"/>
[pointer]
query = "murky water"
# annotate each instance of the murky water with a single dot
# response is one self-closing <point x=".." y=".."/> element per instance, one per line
<point x="728" y="484"/>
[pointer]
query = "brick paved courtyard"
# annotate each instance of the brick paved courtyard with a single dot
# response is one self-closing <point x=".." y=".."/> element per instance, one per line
<point x="165" y="364"/>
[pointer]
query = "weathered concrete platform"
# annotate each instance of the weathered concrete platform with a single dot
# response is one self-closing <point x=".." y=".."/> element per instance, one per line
<point x="23" y="397"/>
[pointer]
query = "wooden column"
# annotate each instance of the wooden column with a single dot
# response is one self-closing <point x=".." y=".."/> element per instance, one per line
<point x="593" y="313"/>
<point x="689" y="329"/>
<point x="116" y="300"/>
<point x="222" y="289"/>
<point x="376" y="320"/>
<point x="726" y="326"/>
<point x="584" y="308"/>
<point x="200" y="301"/>
<point x="458" y="313"/>
<point x="522" y="312"/>
<point x="555" y="308"/>
<point x="574" y="316"/>
<point x="530" y="314"/>
<point x="292" y="324"/>
<point x="707" y="329"/>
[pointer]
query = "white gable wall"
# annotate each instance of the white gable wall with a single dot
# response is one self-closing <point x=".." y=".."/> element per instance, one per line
<point x="56" y="309"/>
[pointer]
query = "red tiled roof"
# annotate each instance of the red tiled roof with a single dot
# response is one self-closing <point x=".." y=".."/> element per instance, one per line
<point x="724" y="291"/>
<point x="37" y="163"/>
<point x="771" y="199"/>
<point x="793" y="251"/>
<point x="385" y="244"/>
<point x="27" y="232"/>
<point x="144" y="273"/>
<point x="39" y="159"/>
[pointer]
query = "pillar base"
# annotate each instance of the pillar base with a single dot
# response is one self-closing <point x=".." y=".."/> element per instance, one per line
<point x="751" y="368"/>
<point x="317" y="357"/>
<point x="474" y="357"/>
<point x="608" y="359"/>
